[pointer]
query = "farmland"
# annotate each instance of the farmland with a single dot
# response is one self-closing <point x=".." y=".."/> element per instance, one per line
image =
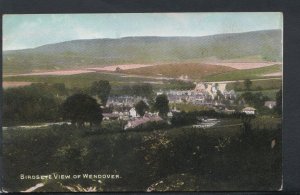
<point x="79" y="80"/>
<point x="192" y="70"/>
<point x="245" y="65"/>
<point x="263" y="84"/>
<point x="254" y="73"/>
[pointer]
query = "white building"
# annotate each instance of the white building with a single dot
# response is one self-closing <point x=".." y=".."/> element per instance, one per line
<point x="249" y="110"/>
<point x="200" y="87"/>
<point x="132" y="113"/>
<point x="270" y="104"/>
<point x="170" y="114"/>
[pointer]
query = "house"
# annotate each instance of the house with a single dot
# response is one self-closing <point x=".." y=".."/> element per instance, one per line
<point x="110" y="116"/>
<point x="170" y="114"/>
<point x="229" y="94"/>
<point x="249" y="110"/>
<point x="206" y="123"/>
<point x="160" y="92"/>
<point x="132" y="113"/>
<point x="222" y="87"/>
<point x="270" y="104"/>
<point x="139" y="121"/>
<point x="229" y="111"/>
<point x="200" y="87"/>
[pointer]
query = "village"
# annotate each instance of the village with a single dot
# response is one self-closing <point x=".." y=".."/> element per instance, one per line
<point x="212" y="96"/>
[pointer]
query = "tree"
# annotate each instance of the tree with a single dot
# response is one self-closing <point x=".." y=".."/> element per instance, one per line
<point x="162" y="105"/>
<point x="235" y="85"/>
<point x="30" y="104"/>
<point x="101" y="89"/>
<point x="247" y="84"/>
<point x="143" y="90"/>
<point x="118" y="69"/>
<point x="141" y="107"/>
<point x="247" y="132"/>
<point x="220" y="96"/>
<point x="81" y="108"/>
<point x="278" y="107"/>
<point x="255" y="99"/>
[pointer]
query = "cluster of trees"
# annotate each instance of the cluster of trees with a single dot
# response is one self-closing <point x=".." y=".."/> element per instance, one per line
<point x="256" y="100"/>
<point x="33" y="104"/>
<point x="81" y="108"/>
<point x="189" y="118"/>
<point x="101" y="89"/>
<point x="142" y="90"/>
<point x="161" y="104"/>
<point x="51" y="103"/>
<point x="141" y="107"/>
<point x="181" y="85"/>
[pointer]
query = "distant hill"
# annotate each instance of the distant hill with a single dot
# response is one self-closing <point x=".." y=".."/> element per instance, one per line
<point x="97" y="52"/>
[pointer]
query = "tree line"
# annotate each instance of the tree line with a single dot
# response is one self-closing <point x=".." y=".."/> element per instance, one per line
<point x="51" y="103"/>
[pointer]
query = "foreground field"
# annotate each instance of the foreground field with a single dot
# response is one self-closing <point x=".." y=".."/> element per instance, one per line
<point x="180" y="153"/>
<point x="174" y="159"/>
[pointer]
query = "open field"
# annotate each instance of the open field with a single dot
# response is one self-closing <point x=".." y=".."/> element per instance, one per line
<point x="8" y="84"/>
<point x="79" y="80"/>
<point x="192" y="70"/>
<point x="84" y="80"/>
<point x="275" y="74"/>
<point x="121" y="66"/>
<point x="271" y="93"/>
<point x="259" y="84"/>
<point x="245" y="65"/>
<point x="109" y="68"/>
<point x="54" y="73"/>
<point x="255" y="73"/>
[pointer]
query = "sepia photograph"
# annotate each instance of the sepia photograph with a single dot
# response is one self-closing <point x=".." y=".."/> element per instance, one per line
<point x="142" y="102"/>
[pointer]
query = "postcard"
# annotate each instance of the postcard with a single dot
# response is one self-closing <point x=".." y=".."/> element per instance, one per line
<point x="146" y="102"/>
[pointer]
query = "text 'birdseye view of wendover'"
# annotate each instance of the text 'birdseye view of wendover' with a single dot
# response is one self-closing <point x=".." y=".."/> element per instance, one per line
<point x="142" y="102"/>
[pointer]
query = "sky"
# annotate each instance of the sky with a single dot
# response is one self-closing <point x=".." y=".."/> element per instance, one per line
<point x="33" y="30"/>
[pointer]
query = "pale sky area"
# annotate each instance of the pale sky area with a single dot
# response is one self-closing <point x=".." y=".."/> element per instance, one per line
<point x="33" y="30"/>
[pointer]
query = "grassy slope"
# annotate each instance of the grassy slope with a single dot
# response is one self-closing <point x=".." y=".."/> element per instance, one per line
<point x="45" y="151"/>
<point x="245" y="74"/>
<point x="79" y="80"/>
<point x="84" y="80"/>
<point x="271" y="93"/>
<point x="195" y="71"/>
<point x="271" y="84"/>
